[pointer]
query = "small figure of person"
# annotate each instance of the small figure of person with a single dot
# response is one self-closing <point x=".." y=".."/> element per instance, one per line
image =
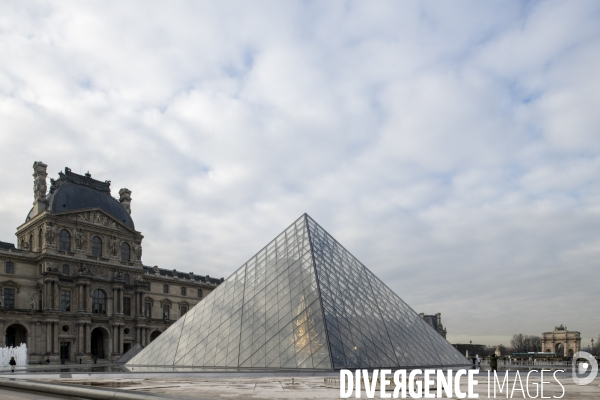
<point x="79" y="360"/>
<point x="478" y="361"/>
<point x="494" y="362"/>
<point x="12" y="364"/>
<point x="48" y="360"/>
<point x="474" y="361"/>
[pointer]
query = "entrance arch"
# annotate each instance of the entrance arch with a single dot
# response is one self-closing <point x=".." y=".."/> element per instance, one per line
<point x="154" y="335"/>
<point x="559" y="349"/>
<point x="570" y="353"/>
<point x="15" y="335"/>
<point x="99" y="343"/>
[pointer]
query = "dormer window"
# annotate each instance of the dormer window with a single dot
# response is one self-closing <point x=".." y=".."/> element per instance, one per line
<point x="64" y="238"/>
<point x="96" y="246"/>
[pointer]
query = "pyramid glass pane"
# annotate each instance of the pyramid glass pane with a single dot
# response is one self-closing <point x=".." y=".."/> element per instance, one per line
<point x="303" y="301"/>
<point x="267" y="314"/>
<point x="368" y="325"/>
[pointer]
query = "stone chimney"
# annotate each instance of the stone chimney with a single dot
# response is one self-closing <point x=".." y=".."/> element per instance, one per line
<point x="39" y="187"/>
<point x="439" y="319"/>
<point x="125" y="199"/>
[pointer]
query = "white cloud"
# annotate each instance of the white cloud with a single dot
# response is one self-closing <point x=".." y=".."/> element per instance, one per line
<point x="452" y="148"/>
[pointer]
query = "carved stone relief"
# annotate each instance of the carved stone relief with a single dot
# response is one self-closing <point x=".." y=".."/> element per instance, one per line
<point x="95" y="217"/>
<point x="50" y="234"/>
<point x="80" y="239"/>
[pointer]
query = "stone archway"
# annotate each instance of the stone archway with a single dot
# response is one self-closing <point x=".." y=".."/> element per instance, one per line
<point x="570" y="353"/>
<point x="559" y="349"/>
<point x="15" y="335"/>
<point x="100" y="340"/>
<point x="154" y="335"/>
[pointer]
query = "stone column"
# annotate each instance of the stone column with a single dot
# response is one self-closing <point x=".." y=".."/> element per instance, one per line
<point x="87" y="333"/>
<point x="121" y="327"/>
<point x="86" y="296"/>
<point x="80" y="339"/>
<point x="110" y="345"/>
<point x="38" y="339"/>
<point x="115" y="334"/>
<point x="56" y="344"/>
<point x="80" y="300"/>
<point x="109" y="305"/>
<point x="48" y="337"/>
<point x="120" y="301"/>
<point x="31" y="347"/>
<point x="46" y="296"/>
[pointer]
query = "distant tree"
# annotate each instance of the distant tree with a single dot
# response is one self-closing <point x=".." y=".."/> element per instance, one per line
<point x="525" y="343"/>
<point x="518" y="343"/>
<point x="535" y="343"/>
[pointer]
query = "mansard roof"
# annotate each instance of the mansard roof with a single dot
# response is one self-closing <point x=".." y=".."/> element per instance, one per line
<point x="71" y="192"/>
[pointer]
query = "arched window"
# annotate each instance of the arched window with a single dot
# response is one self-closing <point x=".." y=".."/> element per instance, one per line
<point x="125" y="251"/>
<point x="96" y="246"/>
<point x="64" y="237"/>
<point x="99" y="302"/>
<point x="40" y="240"/>
<point x="31" y="242"/>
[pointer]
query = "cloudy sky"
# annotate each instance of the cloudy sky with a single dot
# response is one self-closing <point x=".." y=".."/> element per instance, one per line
<point x="454" y="148"/>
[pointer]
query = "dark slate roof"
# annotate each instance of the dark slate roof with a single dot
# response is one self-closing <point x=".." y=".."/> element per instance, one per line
<point x="7" y="246"/>
<point x="73" y="192"/>
<point x="183" y="275"/>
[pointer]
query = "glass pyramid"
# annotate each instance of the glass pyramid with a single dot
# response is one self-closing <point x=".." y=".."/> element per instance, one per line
<point x="303" y="301"/>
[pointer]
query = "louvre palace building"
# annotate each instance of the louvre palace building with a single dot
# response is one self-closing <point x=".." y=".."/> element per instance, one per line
<point x="75" y="287"/>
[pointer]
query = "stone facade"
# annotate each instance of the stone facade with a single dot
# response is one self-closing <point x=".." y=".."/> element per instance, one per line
<point x="75" y="285"/>
<point x="436" y="323"/>
<point x="561" y="341"/>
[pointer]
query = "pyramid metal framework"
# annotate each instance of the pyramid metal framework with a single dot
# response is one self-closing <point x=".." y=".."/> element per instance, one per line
<point x="303" y="301"/>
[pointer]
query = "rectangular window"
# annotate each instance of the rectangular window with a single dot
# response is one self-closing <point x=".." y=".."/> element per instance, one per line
<point x="9" y="298"/>
<point x="165" y="288"/>
<point x="65" y="269"/>
<point x="10" y="267"/>
<point x="165" y="311"/>
<point x="148" y="310"/>
<point x="183" y="310"/>
<point x="127" y="305"/>
<point x="199" y="293"/>
<point x="65" y="301"/>
<point x="183" y="291"/>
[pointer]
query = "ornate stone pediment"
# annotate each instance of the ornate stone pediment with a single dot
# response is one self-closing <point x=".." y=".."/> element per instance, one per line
<point x="98" y="217"/>
<point x="11" y="283"/>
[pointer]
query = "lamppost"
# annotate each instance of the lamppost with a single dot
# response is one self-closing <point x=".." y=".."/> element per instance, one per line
<point x="592" y="346"/>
